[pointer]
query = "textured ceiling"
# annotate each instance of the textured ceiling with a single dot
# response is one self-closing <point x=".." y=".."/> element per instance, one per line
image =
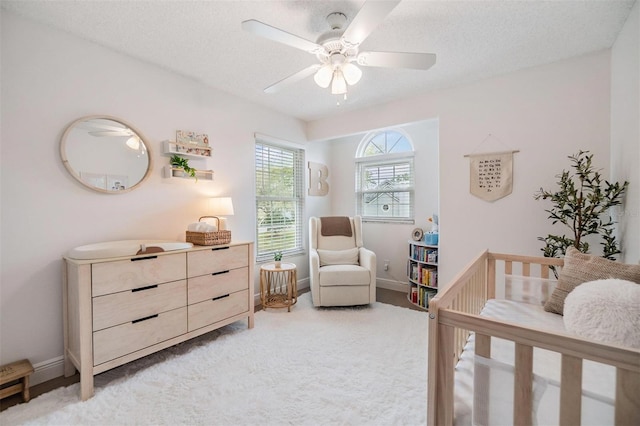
<point x="204" y="40"/>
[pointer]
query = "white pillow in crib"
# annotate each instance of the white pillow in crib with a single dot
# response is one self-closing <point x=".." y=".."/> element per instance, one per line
<point x="605" y="310"/>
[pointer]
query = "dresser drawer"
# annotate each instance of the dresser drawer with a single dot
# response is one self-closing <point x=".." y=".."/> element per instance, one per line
<point x="211" y="311"/>
<point x="203" y="262"/>
<point x="125" y="306"/>
<point x="123" y="339"/>
<point x="218" y="284"/>
<point x="121" y="275"/>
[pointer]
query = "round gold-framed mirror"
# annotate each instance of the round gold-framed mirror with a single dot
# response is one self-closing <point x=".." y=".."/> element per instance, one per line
<point x="105" y="154"/>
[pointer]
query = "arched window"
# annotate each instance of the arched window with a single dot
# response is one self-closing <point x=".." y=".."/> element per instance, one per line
<point x="384" y="181"/>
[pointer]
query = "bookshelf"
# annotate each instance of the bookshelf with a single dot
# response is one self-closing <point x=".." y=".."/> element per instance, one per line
<point x="422" y="273"/>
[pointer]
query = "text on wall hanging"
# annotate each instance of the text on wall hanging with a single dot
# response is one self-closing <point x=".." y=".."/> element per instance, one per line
<point x="491" y="174"/>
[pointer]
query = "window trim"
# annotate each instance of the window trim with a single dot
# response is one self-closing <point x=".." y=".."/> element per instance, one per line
<point x="299" y="198"/>
<point x="361" y="162"/>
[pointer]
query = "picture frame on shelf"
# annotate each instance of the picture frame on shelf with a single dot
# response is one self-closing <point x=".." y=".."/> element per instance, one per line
<point x="197" y="140"/>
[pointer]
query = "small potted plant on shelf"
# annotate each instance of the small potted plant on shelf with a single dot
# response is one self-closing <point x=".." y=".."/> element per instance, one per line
<point x="277" y="257"/>
<point x="178" y="163"/>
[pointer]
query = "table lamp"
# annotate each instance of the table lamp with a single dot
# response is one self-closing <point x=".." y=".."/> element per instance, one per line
<point x="221" y="206"/>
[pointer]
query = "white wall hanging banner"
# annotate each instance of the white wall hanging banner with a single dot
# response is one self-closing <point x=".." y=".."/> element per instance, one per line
<point x="491" y="175"/>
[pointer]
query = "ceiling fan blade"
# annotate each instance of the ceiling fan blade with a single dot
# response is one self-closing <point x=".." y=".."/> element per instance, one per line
<point x="111" y="133"/>
<point x="294" y="78"/>
<point x="367" y="19"/>
<point x="272" y="33"/>
<point x="419" y="61"/>
<point x="94" y="125"/>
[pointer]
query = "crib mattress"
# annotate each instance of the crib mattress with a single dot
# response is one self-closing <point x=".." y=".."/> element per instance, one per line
<point x="487" y="398"/>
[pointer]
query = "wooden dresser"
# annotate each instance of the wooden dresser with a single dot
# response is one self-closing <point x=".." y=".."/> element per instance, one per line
<point x="120" y="309"/>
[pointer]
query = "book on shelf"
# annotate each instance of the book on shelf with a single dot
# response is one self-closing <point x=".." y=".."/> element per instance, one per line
<point x="424" y="254"/>
<point x="422" y="274"/>
<point x="421" y="296"/>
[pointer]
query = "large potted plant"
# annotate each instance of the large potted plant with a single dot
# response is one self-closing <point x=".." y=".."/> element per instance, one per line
<point x="582" y="204"/>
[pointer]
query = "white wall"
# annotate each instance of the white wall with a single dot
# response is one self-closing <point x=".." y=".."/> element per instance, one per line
<point x="625" y="130"/>
<point x="50" y="79"/>
<point x="387" y="240"/>
<point x="547" y="112"/>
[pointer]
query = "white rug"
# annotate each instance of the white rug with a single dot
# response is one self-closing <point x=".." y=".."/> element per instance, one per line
<point x="348" y="366"/>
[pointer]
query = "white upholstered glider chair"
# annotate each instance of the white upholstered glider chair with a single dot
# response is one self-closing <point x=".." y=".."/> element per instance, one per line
<point x="342" y="272"/>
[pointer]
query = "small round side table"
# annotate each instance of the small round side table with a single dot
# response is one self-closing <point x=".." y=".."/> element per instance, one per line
<point x="278" y="286"/>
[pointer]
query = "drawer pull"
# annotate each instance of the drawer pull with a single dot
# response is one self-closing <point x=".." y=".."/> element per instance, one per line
<point x="220" y="248"/>
<point x="221" y="297"/>
<point x="221" y="272"/>
<point x="144" y="319"/>
<point x="149" y="287"/>
<point x="144" y="258"/>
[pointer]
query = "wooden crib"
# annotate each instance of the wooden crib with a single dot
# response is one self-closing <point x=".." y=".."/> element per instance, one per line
<point x="454" y="315"/>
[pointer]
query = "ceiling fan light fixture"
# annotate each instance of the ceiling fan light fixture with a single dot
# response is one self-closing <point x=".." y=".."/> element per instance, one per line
<point x="339" y="85"/>
<point x="352" y="73"/>
<point x="323" y="76"/>
<point x="133" y="143"/>
<point x="338" y="50"/>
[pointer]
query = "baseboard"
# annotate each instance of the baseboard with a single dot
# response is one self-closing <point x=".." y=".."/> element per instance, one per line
<point x="392" y="285"/>
<point x="303" y="283"/>
<point x="47" y="370"/>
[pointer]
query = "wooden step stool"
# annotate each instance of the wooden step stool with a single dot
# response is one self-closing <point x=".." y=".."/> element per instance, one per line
<point x="19" y="370"/>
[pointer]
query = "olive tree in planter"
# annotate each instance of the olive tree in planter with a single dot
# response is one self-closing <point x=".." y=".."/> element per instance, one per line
<point x="582" y="204"/>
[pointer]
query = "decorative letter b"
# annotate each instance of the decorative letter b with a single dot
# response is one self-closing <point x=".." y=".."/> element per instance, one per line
<point x="318" y="174"/>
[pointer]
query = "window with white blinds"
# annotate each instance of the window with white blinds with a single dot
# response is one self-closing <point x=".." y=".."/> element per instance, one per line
<point x="279" y="200"/>
<point x="385" y="178"/>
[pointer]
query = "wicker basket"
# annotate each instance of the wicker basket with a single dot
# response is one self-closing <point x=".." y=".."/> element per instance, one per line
<point x="209" y="238"/>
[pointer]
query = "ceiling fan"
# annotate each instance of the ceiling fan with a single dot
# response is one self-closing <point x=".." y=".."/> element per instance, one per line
<point x="97" y="129"/>
<point x="338" y="49"/>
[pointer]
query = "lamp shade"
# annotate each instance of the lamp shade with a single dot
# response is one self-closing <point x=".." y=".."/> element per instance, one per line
<point x="338" y="86"/>
<point x="133" y="142"/>
<point x="323" y="76"/>
<point x="352" y="73"/>
<point x="221" y="206"/>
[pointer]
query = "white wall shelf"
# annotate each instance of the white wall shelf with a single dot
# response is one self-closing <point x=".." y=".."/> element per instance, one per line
<point x="171" y="148"/>
<point x="172" y="172"/>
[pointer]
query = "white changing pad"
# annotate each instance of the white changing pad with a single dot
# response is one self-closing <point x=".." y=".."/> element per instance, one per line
<point x="492" y="403"/>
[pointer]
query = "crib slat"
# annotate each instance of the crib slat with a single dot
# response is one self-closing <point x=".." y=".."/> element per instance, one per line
<point x="523" y="385"/>
<point x="444" y="397"/>
<point x="571" y="390"/>
<point x="483" y="345"/>
<point x="526" y="269"/>
<point x="544" y="271"/>
<point x="627" y="397"/>
<point x="490" y="284"/>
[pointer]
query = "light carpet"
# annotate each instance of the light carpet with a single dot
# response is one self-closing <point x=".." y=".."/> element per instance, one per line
<point x="348" y="366"/>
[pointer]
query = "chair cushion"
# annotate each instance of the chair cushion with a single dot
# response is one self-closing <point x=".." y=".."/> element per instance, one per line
<point x="337" y="275"/>
<point x="605" y="310"/>
<point x="581" y="267"/>
<point x="338" y="257"/>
